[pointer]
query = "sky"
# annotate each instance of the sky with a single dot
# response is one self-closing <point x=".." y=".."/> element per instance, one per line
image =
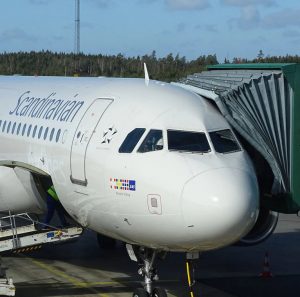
<point x="190" y="28"/>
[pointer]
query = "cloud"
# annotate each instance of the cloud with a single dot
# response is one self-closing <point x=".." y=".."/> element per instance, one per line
<point x="250" y="18"/>
<point x="282" y="19"/>
<point x="291" y="34"/>
<point x="98" y="3"/>
<point x="211" y="28"/>
<point x="179" y="4"/>
<point x="146" y="1"/>
<point x="187" y="4"/>
<point x="87" y="25"/>
<point x="259" y="40"/>
<point x="101" y="3"/>
<point x="181" y="27"/>
<point x="39" y="2"/>
<point x="57" y="38"/>
<point x="208" y="27"/>
<point x="242" y="3"/>
<point x="16" y="34"/>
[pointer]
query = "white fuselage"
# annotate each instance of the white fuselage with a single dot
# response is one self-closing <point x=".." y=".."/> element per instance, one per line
<point x="165" y="199"/>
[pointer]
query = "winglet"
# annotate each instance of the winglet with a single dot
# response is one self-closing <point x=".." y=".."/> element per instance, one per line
<point x="146" y="75"/>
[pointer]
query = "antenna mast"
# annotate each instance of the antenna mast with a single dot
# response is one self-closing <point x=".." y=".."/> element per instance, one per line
<point x="77" y="27"/>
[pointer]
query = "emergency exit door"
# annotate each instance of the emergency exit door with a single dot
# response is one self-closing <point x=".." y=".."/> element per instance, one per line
<point x="82" y="137"/>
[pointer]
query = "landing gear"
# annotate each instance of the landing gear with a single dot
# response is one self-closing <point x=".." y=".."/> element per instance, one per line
<point x="159" y="292"/>
<point x="146" y="258"/>
<point x="140" y="293"/>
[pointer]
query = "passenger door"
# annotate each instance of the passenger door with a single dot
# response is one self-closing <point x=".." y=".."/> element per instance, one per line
<point x="82" y="137"/>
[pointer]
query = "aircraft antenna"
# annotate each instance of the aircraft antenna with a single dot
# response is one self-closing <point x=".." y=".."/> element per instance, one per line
<point x="146" y="75"/>
<point x="77" y="27"/>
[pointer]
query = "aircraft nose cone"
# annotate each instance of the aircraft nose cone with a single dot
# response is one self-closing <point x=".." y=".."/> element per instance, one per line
<point x="220" y="205"/>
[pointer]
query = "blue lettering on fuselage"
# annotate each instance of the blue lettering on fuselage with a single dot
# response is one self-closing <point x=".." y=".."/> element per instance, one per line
<point x="47" y="108"/>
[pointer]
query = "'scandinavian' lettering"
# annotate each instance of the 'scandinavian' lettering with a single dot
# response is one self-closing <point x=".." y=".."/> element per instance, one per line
<point x="47" y="108"/>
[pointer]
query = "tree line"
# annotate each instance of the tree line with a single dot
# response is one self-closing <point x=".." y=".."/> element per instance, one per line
<point x="63" y="64"/>
<point x="168" y="68"/>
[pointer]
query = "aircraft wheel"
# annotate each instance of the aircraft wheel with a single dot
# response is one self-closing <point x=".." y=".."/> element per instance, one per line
<point x="140" y="293"/>
<point x="159" y="292"/>
<point x="106" y="242"/>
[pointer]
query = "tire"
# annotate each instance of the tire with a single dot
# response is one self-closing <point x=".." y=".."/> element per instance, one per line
<point x="159" y="292"/>
<point x="140" y="293"/>
<point x="105" y="242"/>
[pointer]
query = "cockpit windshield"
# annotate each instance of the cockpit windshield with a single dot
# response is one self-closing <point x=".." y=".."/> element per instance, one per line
<point x="188" y="141"/>
<point x="152" y="142"/>
<point x="224" y="141"/>
<point x="131" y="140"/>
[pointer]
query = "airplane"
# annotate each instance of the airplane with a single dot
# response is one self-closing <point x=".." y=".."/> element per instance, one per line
<point x="145" y="162"/>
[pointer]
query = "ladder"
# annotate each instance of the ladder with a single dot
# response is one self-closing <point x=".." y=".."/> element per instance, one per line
<point x="21" y="233"/>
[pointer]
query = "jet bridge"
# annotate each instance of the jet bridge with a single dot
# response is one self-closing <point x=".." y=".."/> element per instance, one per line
<point x="262" y="103"/>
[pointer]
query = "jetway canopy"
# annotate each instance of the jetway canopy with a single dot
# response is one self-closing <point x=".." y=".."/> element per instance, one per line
<point x="262" y="103"/>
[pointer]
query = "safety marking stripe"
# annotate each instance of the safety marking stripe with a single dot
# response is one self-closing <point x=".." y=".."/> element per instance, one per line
<point x="70" y="279"/>
<point x="130" y="282"/>
<point x="28" y="249"/>
<point x="189" y="278"/>
<point x="88" y="285"/>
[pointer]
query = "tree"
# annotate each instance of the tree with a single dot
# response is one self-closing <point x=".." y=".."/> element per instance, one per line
<point x="260" y="55"/>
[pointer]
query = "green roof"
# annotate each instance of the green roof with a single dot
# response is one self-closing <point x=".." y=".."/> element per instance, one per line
<point x="250" y="66"/>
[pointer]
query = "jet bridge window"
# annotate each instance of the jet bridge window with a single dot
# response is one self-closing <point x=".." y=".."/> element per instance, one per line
<point x="188" y="141"/>
<point x="224" y="141"/>
<point x="131" y="140"/>
<point x="152" y="142"/>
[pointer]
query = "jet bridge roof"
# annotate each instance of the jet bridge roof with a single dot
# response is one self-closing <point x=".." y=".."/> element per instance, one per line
<point x="262" y="102"/>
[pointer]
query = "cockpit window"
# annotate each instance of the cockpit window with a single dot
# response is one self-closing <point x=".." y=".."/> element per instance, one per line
<point x="224" y="141"/>
<point x="131" y="140"/>
<point x="188" y="141"/>
<point x="152" y="142"/>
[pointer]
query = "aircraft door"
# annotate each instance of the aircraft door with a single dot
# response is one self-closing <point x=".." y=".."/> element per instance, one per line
<point x="82" y="137"/>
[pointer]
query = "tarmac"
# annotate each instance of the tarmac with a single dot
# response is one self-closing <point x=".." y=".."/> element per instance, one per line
<point x="81" y="268"/>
